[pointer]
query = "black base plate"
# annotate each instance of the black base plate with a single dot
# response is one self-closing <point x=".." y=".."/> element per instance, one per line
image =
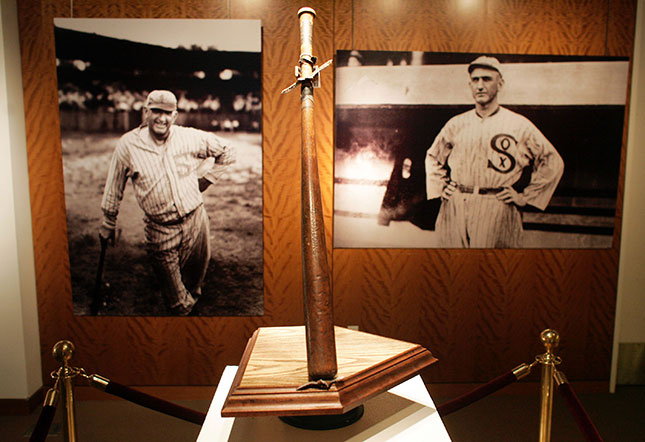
<point x="325" y="422"/>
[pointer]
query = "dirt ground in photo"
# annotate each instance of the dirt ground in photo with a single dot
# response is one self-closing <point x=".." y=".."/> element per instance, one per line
<point x="234" y="281"/>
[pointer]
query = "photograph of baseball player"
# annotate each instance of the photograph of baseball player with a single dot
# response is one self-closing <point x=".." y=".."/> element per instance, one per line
<point x="162" y="158"/>
<point x="475" y="161"/>
<point x="462" y="150"/>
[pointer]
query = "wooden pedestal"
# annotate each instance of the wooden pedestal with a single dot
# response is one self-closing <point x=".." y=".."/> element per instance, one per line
<point x="274" y="366"/>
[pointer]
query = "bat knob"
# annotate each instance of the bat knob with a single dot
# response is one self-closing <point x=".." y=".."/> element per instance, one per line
<point x="306" y="10"/>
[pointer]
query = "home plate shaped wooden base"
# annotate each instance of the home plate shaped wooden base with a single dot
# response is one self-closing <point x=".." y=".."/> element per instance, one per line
<point x="274" y="366"/>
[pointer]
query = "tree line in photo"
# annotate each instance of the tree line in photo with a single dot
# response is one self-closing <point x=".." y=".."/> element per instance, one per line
<point x="103" y="82"/>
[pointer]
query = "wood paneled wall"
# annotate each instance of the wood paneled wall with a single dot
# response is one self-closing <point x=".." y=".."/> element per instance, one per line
<point x="479" y="311"/>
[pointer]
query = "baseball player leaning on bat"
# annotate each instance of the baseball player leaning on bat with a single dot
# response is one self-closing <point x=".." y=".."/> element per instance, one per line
<point x="475" y="160"/>
<point x="162" y="161"/>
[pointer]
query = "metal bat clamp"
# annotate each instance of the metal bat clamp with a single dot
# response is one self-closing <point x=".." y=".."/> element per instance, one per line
<point x="313" y="77"/>
<point x="293" y="372"/>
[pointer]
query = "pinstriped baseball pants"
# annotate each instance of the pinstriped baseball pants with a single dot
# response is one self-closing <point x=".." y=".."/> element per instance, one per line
<point x="180" y="254"/>
<point x="478" y="221"/>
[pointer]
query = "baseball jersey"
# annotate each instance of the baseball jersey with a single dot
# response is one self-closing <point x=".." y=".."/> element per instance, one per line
<point x="163" y="176"/>
<point x="491" y="152"/>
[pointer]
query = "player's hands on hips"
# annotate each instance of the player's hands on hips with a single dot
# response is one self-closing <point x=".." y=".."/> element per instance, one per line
<point x="106" y="235"/>
<point x="449" y="190"/>
<point x="511" y="196"/>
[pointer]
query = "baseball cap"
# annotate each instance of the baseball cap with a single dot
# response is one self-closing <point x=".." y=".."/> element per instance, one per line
<point x="485" y="62"/>
<point x="160" y="99"/>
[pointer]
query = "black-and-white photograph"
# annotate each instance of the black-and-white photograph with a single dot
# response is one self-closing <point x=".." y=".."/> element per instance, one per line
<point x="162" y="158"/>
<point x="476" y="150"/>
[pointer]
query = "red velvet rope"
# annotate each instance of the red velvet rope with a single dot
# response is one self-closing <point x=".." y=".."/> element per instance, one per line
<point x="44" y="422"/>
<point x="154" y="403"/>
<point x="464" y="400"/>
<point x="579" y="414"/>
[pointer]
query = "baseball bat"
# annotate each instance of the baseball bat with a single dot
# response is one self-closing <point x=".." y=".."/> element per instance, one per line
<point x="97" y="295"/>
<point x="319" y="319"/>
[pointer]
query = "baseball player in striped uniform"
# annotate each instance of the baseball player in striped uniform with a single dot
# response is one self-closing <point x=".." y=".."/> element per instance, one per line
<point x="476" y="159"/>
<point x="161" y="160"/>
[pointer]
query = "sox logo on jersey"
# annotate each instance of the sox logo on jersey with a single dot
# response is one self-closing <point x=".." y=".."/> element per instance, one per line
<point x="503" y="161"/>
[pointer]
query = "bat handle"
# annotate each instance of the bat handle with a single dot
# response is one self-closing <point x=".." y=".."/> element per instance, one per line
<point x="104" y="243"/>
<point x="97" y="298"/>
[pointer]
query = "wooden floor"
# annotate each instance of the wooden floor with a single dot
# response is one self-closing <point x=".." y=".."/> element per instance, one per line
<point x="497" y="418"/>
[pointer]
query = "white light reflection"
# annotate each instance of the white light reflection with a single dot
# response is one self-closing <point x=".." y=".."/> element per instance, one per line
<point x="467" y="5"/>
<point x="363" y="165"/>
<point x="363" y="174"/>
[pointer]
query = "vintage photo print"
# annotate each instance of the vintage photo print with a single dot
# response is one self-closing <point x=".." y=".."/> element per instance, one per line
<point x="162" y="156"/>
<point x="476" y="150"/>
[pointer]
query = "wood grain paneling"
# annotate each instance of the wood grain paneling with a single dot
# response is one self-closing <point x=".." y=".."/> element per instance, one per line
<point x="552" y="27"/>
<point x="418" y="25"/>
<point x="150" y="9"/>
<point x="343" y="24"/>
<point x="621" y="28"/>
<point x="479" y="311"/>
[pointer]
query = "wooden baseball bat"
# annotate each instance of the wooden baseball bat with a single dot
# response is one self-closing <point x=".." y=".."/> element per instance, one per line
<point x="97" y="293"/>
<point x="319" y="321"/>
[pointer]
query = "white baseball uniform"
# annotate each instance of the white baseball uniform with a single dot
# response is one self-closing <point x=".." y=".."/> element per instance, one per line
<point x="482" y="156"/>
<point x="165" y="185"/>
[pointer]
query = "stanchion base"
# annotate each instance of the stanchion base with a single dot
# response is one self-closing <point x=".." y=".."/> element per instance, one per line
<point x="325" y="422"/>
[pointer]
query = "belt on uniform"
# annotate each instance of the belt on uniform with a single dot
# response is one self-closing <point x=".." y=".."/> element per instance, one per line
<point x="479" y="190"/>
<point x="179" y="220"/>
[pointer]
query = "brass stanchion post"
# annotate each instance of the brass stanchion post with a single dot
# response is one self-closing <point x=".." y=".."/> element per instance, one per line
<point x="63" y="352"/>
<point x="550" y="339"/>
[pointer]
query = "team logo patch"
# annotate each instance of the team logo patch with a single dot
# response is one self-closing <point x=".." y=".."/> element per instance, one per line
<point x="501" y="159"/>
